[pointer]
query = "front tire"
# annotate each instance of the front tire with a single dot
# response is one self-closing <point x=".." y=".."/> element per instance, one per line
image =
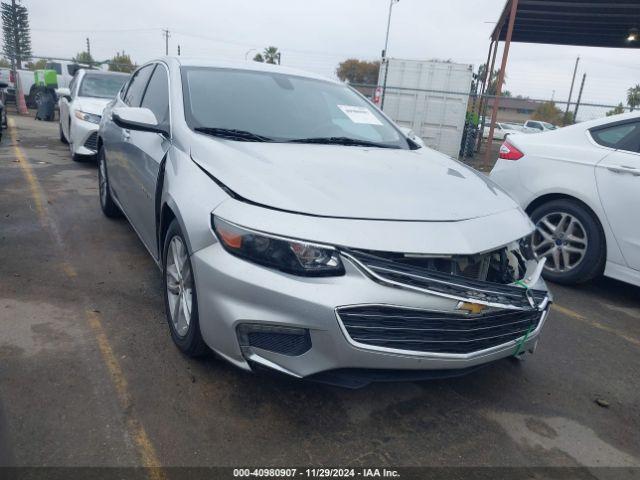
<point x="107" y="204"/>
<point x="571" y="238"/>
<point x="180" y="296"/>
<point x="63" y="139"/>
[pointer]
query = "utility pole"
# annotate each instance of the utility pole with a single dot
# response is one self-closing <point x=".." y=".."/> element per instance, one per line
<point x="178" y="50"/>
<point x="385" y="61"/>
<point x="166" y="34"/>
<point x="89" y="50"/>
<point x="575" y="113"/>
<point x="573" y="81"/>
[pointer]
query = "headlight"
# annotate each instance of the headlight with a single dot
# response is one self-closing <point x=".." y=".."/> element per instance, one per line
<point x="291" y="256"/>
<point x="88" y="117"/>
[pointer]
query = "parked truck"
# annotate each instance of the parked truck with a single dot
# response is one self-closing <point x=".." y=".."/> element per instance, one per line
<point x="430" y="98"/>
<point x="65" y="70"/>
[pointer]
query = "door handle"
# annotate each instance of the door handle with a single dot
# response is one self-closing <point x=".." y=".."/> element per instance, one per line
<point x="622" y="169"/>
<point x="126" y="135"/>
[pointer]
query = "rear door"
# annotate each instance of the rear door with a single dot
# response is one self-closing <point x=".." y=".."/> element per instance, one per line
<point x="618" y="178"/>
<point x="147" y="150"/>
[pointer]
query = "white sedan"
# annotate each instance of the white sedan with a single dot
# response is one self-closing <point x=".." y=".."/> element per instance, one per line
<point x="81" y="107"/>
<point x="503" y="130"/>
<point x="581" y="187"/>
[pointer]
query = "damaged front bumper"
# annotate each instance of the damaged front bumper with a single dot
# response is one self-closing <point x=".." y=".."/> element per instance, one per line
<point x="383" y="319"/>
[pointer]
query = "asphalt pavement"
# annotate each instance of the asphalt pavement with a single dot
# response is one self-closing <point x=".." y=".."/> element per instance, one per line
<point x="89" y="375"/>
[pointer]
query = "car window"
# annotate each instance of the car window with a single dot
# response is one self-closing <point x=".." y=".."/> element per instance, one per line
<point x="137" y="85"/>
<point x="616" y="136"/>
<point x="54" y="66"/>
<point x="282" y="107"/>
<point x="156" y="97"/>
<point x="103" y="85"/>
<point x="72" y="86"/>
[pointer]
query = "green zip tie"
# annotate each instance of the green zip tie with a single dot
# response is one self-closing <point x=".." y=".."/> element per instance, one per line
<point x="521" y="284"/>
<point x="521" y="343"/>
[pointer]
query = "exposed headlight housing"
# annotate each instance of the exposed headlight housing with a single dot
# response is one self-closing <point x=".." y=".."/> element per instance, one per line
<point x="296" y="257"/>
<point x="88" y="117"/>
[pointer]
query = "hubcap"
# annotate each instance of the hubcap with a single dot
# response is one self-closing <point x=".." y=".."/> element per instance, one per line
<point x="179" y="282"/>
<point x="562" y="240"/>
<point x="102" y="182"/>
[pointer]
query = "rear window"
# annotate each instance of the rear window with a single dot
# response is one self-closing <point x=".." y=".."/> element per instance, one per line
<point x="54" y="66"/>
<point x="616" y="136"/>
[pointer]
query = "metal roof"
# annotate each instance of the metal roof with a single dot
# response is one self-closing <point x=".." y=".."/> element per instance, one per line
<point x="591" y="23"/>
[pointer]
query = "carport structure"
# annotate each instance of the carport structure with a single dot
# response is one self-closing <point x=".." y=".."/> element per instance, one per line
<point x="587" y="23"/>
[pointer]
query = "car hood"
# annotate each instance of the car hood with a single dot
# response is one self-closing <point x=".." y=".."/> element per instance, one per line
<point x="91" y="105"/>
<point x="351" y="182"/>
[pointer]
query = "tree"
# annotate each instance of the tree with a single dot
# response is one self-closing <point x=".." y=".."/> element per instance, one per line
<point x="84" y="57"/>
<point x="548" y="112"/>
<point x="633" y="97"/>
<point x="358" y="71"/>
<point x="617" y="110"/>
<point x="16" y="33"/>
<point x="492" y="88"/>
<point x="4" y="63"/>
<point x="37" y="65"/>
<point x="268" y="55"/>
<point x="121" y="62"/>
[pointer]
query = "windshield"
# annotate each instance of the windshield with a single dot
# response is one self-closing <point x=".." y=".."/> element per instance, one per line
<point x="101" y="86"/>
<point x="549" y="126"/>
<point x="280" y="107"/>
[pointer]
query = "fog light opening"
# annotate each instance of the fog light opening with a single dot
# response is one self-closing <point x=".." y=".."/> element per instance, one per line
<point x="289" y="341"/>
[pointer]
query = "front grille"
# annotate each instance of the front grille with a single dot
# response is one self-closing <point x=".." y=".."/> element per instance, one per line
<point x="415" y="330"/>
<point x="457" y="286"/>
<point x="92" y="142"/>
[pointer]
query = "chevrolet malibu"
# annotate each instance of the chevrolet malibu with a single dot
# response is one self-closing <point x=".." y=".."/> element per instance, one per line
<point x="299" y="231"/>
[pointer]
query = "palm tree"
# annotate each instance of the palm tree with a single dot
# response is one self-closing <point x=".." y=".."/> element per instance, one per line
<point x="271" y="55"/>
<point x="633" y="97"/>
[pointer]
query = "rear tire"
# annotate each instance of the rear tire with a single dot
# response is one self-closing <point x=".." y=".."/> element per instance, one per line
<point x="108" y="206"/>
<point x="179" y="292"/>
<point x="586" y="236"/>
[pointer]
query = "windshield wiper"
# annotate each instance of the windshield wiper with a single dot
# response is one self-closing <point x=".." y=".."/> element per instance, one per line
<point x="232" y="134"/>
<point x="342" y="141"/>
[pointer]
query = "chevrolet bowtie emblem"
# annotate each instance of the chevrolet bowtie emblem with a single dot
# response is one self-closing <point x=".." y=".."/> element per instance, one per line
<point x="474" y="308"/>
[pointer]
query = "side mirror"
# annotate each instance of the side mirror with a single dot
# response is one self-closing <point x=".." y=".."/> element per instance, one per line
<point x="63" y="93"/>
<point x="410" y="134"/>
<point x="137" y="118"/>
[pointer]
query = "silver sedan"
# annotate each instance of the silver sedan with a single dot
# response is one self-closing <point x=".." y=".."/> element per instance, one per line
<point x="299" y="231"/>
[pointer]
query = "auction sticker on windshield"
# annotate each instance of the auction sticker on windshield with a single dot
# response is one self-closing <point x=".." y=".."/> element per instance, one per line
<point x="359" y="114"/>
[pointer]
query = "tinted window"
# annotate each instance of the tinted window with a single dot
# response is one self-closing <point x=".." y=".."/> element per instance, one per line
<point x="136" y="88"/>
<point x="616" y="136"/>
<point x="156" y="98"/>
<point x="101" y="85"/>
<point x="54" y="66"/>
<point x="281" y="107"/>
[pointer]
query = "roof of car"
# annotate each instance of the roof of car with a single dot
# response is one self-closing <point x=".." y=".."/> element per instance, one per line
<point x="102" y="72"/>
<point x="244" y="65"/>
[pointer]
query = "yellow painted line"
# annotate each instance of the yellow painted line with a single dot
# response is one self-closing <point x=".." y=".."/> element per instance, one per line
<point x="138" y="433"/>
<point x="34" y="185"/>
<point x="595" y="324"/>
<point x="145" y="447"/>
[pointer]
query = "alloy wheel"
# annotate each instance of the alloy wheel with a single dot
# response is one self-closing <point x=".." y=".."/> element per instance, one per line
<point x="560" y="238"/>
<point x="179" y="284"/>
